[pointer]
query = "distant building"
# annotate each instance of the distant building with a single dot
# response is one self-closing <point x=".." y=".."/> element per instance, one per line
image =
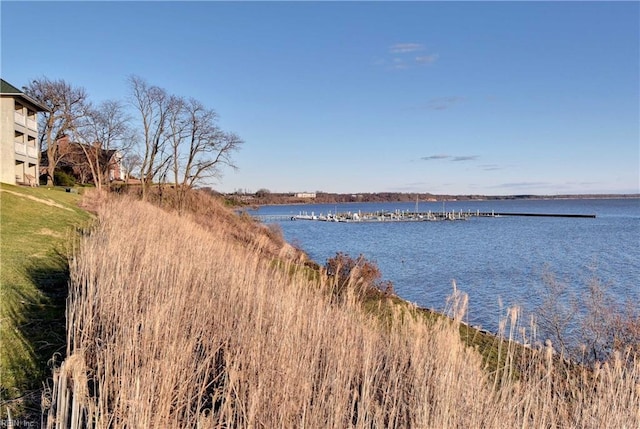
<point x="18" y="136"/>
<point x="74" y="161"/>
<point x="306" y="195"/>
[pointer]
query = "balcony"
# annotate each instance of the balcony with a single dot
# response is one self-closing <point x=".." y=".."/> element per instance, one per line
<point x="32" y="152"/>
<point x="32" y="124"/>
<point x="20" y="148"/>
<point x="19" y="118"/>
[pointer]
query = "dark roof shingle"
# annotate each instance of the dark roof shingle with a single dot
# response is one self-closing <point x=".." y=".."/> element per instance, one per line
<point x="7" y="88"/>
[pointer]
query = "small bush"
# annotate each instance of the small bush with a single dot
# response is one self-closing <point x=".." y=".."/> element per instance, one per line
<point x="60" y="178"/>
<point x="274" y="232"/>
<point x="118" y="187"/>
<point x="359" y="273"/>
<point x="603" y="326"/>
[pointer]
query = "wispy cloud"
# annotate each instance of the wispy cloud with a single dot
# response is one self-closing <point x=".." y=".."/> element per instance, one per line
<point x="443" y="103"/>
<point x="426" y="59"/>
<point x="432" y="157"/>
<point x="401" y="56"/>
<point x="450" y="158"/>
<point x="403" y="48"/>
<point x="521" y="185"/>
<point x="399" y="64"/>
<point x="491" y="167"/>
<point x="464" y="158"/>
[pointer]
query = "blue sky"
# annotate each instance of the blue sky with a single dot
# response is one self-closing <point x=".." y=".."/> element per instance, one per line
<point x="449" y="98"/>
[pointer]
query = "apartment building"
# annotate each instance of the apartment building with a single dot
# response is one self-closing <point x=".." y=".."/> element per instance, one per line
<point x="18" y="136"/>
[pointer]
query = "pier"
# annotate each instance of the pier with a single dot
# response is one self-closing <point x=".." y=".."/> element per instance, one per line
<point x="407" y="216"/>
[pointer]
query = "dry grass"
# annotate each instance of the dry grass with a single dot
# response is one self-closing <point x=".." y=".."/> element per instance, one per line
<point x="172" y="323"/>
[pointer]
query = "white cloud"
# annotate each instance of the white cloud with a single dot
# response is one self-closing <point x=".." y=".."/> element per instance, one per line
<point x="450" y="158"/>
<point x="399" y="64"/>
<point x="427" y="59"/>
<point x="403" y="48"/>
<point x="404" y="55"/>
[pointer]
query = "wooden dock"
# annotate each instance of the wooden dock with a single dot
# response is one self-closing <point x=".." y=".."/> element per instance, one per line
<point x="407" y="216"/>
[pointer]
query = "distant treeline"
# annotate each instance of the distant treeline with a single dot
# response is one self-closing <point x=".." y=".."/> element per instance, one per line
<point x="264" y="197"/>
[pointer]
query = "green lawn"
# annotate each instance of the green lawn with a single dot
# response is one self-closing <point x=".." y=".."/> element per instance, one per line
<point x="37" y="226"/>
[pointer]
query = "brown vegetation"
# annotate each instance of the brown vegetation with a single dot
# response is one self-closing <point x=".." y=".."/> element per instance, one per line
<point x="359" y="274"/>
<point x="184" y="321"/>
<point x="589" y="326"/>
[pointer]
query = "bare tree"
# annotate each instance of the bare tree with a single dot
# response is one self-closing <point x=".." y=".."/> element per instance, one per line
<point x="178" y="132"/>
<point x="589" y="326"/>
<point x="131" y="161"/>
<point x="557" y="313"/>
<point x="180" y="137"/>
<point x="200" y="149"/>
<point x="598" y="323"/>
<point x="626" y="328"/>
<point x="210" y="148"/>
<point x="154" y="106"/>
<point x="67" y="105"/>
<point x="104" y="134"/>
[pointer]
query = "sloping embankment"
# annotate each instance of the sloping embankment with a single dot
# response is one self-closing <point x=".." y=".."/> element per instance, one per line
<point x="175" y="324"/>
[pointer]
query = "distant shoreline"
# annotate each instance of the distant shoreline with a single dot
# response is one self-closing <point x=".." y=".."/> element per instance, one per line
<point x="274" y="199"/>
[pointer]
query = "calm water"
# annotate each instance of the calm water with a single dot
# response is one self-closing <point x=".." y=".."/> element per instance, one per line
<point x="499" y="262"/>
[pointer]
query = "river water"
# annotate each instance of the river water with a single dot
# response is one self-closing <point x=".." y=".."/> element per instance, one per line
<point x="498" y="262"/>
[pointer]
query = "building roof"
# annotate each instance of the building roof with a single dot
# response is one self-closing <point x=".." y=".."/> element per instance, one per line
<point x="7" y="89"/>
<point x="75" y="154"/>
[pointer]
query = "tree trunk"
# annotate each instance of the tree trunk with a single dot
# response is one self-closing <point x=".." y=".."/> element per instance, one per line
<point x="51" y="167"/>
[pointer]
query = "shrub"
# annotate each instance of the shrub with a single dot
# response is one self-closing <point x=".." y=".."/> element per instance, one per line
<point x="602" y="325"/>
<point x="118" y="187"/>
<point x="359" y="273"/>
<point x="60" y="178"/>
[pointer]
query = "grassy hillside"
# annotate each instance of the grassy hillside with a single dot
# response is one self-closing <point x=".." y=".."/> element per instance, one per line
<point x="188" y="322"/>
<point x="36" y="225"/>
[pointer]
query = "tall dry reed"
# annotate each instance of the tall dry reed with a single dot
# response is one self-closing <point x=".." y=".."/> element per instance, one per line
<point x="173" y="324"/>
